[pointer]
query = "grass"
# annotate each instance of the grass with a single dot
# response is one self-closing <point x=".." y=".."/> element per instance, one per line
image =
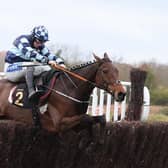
<point x="158" y="113"/>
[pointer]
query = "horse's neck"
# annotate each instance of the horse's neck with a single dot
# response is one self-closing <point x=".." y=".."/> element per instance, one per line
<point x="75" y="87"/>
<point x="89" y="72"/>
<point x="84" y="88"/>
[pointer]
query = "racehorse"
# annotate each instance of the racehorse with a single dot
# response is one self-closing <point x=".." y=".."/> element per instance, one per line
<point x="68" y="100"/>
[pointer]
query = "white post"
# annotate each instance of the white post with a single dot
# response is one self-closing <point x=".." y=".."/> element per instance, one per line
<point x="146" y="105"/>
<point x="123" y="106"/>
<point x="94" y="102"/>
<point x="115" y="114"/>
<point x="108" y="107"/>
<point x="101" y="101"/>
<point x="98" y="109"/>
<point x="119" y="108"/>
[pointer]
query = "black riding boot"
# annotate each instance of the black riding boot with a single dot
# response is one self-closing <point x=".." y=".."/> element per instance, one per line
<point x="30" y="84"/>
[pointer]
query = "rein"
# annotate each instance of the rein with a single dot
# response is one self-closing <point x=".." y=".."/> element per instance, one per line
<point x="58" y="67"/>
<point x="74" y="75"/>
<point x="62" y="94"/>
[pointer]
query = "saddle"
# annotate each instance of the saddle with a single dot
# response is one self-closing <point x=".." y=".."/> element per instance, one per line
<point x="19" y="93"/>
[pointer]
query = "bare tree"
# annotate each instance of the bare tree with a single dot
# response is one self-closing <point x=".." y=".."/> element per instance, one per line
<point x="2" y="60"/>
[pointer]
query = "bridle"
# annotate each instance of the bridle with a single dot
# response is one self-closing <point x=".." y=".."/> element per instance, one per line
<point x="105" y="84"/>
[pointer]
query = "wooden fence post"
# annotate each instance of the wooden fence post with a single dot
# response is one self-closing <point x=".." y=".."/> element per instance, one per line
<point x="134" y="110"/>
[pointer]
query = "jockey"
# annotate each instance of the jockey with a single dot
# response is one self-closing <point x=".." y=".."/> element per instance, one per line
<point x="28" y="49"/>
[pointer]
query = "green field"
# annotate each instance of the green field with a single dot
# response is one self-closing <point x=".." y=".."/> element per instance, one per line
<point x="158" y="113"/>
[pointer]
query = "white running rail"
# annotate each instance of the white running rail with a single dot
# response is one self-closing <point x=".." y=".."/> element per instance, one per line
<point x="112" y="108"/>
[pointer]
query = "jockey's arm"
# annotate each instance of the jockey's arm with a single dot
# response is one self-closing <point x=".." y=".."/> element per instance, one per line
<point x="53" y="59"/>
<point x="28" y="52"/>
<point x="43" y="56"/>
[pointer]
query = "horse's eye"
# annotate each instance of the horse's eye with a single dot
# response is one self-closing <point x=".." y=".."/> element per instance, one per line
<point x="118" y="81"/>
<point x="105" y="70"/>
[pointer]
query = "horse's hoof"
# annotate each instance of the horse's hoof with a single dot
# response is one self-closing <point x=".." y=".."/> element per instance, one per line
<point x="83" y="143"/>
<point x="91" y="148"/>
<point x="101" y="142"/>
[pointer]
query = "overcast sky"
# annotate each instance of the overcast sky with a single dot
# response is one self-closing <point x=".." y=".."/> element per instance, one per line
<point x="136" y="30"/>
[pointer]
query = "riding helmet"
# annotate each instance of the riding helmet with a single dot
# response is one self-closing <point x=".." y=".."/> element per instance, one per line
<point x="40" y="33"/>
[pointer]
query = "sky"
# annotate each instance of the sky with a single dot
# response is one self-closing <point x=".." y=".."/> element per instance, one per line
<point x="134" y="30"/>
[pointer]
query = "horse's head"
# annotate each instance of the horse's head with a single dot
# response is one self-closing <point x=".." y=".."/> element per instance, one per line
<point x="107" y="78"/>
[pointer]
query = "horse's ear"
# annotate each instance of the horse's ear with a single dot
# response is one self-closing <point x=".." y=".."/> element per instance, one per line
<point x="106" y="57"/>
<point x="96" y="57"/>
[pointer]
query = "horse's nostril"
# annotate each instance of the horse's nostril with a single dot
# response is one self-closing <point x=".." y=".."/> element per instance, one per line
<point x="121" y="96"/>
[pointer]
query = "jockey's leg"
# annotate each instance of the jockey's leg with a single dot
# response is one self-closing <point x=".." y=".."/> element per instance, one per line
<point x="30" y="84"/>
<point x="29" y="81"/>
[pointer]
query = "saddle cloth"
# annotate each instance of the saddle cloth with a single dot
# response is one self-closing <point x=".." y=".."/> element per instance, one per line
<point x="19" y="94"/>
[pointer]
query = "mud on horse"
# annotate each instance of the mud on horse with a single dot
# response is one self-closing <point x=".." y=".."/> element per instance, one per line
<point x="68" y="101"/>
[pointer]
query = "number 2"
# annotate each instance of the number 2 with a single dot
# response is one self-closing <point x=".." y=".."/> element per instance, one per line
<point x="19" y="96"/>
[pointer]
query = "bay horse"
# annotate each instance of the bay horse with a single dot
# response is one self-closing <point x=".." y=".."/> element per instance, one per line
<point x="67" y="109"/>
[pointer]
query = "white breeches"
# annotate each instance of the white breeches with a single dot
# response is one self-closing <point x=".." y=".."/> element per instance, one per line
<point x="17" y="74"/>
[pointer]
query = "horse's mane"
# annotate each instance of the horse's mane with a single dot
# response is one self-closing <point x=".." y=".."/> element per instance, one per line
<point x="75" y="67"/>
<point x="49" y="74"/>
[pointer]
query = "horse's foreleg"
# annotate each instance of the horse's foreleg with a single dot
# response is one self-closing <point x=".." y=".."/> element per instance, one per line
<point x="70" y="122"/>
<point x="101" y="121"/>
